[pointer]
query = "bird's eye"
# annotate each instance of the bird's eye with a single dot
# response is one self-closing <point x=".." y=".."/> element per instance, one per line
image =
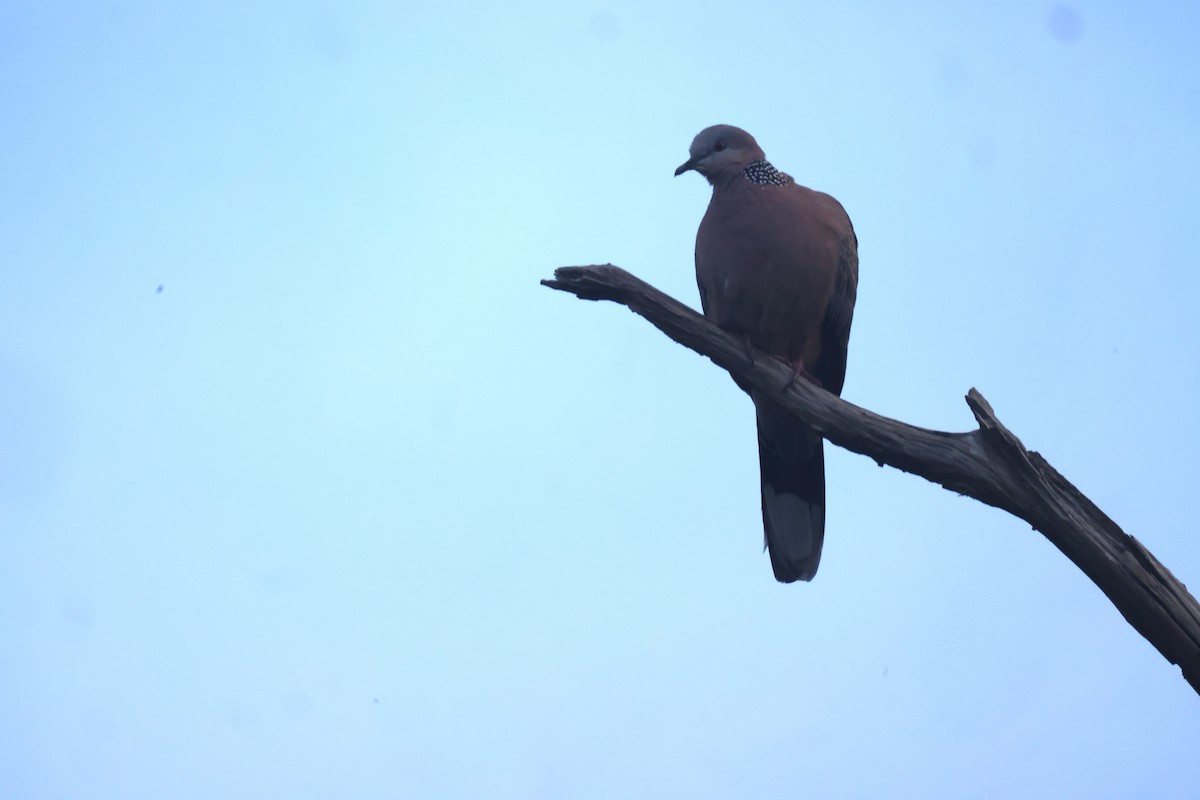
<point x="720" y="145"/>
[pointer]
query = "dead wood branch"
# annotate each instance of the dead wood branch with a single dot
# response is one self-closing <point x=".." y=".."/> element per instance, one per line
<point x="989" y="464"/>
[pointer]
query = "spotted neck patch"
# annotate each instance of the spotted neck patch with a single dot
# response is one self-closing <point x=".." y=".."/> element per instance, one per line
<point x="762" y="172"/>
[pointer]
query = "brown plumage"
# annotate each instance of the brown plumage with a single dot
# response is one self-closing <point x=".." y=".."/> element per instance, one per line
<point x="777" y="263"/>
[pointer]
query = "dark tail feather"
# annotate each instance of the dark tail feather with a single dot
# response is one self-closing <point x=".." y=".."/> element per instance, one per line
<point x="791" y="460"/>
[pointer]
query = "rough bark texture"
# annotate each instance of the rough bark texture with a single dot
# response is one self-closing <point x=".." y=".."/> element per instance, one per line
<point x="989" y="464"/>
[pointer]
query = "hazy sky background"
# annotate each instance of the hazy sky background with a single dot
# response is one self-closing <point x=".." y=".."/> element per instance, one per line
<point x="308" y="490"/>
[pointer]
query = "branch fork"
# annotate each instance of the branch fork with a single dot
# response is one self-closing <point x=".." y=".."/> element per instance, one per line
<point x="989" y="464"/>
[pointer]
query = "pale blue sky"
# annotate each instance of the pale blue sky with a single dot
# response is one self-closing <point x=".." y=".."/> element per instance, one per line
<point x="354" y="508"/>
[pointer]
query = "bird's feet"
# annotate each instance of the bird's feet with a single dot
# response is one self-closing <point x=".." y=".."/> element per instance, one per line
<point x="749" y="348"/>
<point x="798" y="371"/>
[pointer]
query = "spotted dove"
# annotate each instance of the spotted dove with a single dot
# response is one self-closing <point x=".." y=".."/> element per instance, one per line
<point x="777" y="264"/>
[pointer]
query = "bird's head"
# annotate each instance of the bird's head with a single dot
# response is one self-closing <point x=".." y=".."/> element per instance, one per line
<point x="720" y="153"/>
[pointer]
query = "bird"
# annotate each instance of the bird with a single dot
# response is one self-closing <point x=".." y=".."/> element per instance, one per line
<point x="777" y="266"/>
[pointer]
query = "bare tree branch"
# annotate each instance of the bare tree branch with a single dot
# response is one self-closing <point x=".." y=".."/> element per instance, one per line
<point x="989" y="464"/>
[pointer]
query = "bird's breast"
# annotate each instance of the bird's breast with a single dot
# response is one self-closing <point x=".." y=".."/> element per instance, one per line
<point x="765" y="263"/>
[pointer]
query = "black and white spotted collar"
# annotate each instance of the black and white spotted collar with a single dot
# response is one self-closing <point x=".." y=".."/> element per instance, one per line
<point x="762" y="172"/>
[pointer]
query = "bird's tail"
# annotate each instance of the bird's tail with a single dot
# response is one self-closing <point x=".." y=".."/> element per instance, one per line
<point x="791" y="461"/>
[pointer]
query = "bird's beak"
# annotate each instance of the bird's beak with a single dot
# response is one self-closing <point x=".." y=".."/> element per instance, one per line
<point x="685" y="166"/>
